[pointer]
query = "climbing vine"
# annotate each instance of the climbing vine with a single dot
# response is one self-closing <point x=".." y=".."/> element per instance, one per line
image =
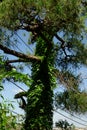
<point x="39" y="110"/>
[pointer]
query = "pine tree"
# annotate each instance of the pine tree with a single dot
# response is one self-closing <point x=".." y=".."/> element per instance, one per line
<point x="57" y="29"/>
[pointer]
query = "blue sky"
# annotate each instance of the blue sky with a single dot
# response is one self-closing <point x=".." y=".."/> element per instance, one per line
<point x="10" y="89"/>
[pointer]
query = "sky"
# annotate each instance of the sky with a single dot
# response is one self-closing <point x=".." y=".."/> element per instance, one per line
<point x="10" y="89"/>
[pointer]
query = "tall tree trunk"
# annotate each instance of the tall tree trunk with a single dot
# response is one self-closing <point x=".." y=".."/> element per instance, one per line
<point x="39" y="107"/>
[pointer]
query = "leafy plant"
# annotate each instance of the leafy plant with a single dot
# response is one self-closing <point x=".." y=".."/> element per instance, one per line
<point x="7" y="119"/>
<point x="64" y="125"/>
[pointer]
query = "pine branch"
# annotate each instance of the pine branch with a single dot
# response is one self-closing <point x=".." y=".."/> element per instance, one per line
<point x="30" y="58"/>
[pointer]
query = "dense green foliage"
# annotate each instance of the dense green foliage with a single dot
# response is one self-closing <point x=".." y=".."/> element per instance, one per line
<point x="39" y="109"/>
<point x="57" y="30"/>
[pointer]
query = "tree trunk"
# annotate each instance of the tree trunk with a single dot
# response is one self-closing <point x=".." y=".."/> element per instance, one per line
<point x="40" y="95"/>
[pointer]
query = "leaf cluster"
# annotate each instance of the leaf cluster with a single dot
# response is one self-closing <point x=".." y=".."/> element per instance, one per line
<point x="7" y="119"/>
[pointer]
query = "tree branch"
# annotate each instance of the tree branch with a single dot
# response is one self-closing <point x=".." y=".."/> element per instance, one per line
<point x="14" y="61"/>
<point x="20" y="94"/>
<point x="30" y="58"/>
<point x="62" y="44"/>
<point x="60" y="39"/>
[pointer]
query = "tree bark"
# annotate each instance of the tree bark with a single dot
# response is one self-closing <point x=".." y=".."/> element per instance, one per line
<point x="30" y="58"/>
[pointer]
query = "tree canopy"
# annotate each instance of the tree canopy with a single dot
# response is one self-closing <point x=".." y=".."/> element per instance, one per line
<point x="57" y="30"/>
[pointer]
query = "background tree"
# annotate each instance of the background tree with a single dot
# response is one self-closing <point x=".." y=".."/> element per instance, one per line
<point x="72" y="101"/>
<point x="57" y="29"/>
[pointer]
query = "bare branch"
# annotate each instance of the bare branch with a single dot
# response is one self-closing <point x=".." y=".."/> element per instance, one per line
<point x="60" y="39"/>
<point x="14" y="61"/>
<point x="62" y="44"/>
<point x="30" y="58"/>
